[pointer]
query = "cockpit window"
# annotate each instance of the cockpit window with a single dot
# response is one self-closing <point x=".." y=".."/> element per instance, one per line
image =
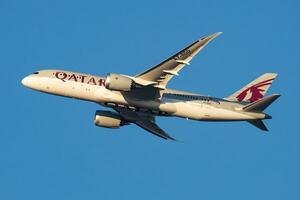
<point x="36" y="73"/>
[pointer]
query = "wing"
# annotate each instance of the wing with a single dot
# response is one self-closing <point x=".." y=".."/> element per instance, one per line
<point x="145" y="121"/>
<point x="163" y="72"/>
<point x="153" y="128"/>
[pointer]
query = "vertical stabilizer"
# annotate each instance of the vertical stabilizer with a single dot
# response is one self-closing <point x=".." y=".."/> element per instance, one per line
<point x="254" y="90"/>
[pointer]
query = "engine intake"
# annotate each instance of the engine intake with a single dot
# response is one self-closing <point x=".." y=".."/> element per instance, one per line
<point x="108" y="119"/>
<point x="118" y="82"/>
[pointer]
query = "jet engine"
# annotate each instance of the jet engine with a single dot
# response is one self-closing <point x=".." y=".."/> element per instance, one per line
<point x="108" y="119"/>
<point x="119" y="82"/>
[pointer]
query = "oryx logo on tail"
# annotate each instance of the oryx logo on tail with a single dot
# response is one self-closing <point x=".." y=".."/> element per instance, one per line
<point x="254" y="90"/>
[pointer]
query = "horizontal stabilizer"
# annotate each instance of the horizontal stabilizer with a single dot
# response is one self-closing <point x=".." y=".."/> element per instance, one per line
<point x="262" y="104"/>
<point x="259" y="124"/>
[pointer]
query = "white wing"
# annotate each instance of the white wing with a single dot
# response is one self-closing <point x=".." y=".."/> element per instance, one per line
<point x="160" y="74"/>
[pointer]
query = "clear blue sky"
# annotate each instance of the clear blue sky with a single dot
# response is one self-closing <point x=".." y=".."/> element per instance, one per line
<point x="50" y="148"/>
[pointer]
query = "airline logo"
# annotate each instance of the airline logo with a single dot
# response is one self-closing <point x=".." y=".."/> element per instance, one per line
<point x="63" y="76"/>
<point x="255" y="92"/>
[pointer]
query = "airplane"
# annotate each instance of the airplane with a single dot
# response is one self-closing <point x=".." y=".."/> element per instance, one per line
<point x="141" y="98"/>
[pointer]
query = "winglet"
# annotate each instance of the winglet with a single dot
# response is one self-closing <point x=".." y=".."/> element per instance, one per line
<point x="211" y="37"/>
<point x="206" y="39"/>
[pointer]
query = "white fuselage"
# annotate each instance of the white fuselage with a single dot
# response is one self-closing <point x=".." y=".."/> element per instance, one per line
<point x="172" y="102"/>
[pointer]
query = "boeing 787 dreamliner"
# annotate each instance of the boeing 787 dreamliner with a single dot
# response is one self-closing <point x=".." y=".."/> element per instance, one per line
<point x="141" y="98"/>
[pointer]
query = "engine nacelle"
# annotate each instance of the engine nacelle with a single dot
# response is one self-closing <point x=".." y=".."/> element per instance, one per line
<point x="118" y="82"/>
<point x="108" y="119"/>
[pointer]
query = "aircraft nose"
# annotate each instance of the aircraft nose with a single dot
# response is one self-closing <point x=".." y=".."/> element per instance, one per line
<point x="25" y="81"/>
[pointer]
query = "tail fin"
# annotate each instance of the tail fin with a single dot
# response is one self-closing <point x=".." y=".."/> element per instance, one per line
<point x="254" y="90"/>
<point x="262" y="104"/>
